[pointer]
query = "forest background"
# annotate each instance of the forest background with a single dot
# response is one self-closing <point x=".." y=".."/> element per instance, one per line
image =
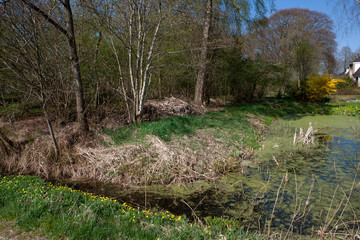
<point x="92" y="59"/>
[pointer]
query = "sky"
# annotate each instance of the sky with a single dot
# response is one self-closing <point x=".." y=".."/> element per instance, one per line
<point x="344" y="36"/>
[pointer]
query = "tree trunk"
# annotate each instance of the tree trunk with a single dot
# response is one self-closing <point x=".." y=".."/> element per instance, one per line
<point x="51" y="131"/>
<point x="200" y="80"/>
<point x="75" y="67"/>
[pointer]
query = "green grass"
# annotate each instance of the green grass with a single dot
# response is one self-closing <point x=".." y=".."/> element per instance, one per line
<point x="351" y="108"/>
<point x="232" y="119"/>
<point x="60" y="212"/>
<point x="232" y="123"/>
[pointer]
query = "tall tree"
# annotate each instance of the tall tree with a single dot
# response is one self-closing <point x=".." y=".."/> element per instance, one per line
<point x="200" y="80"/>
<point x="237" y="12"/>
<point x="75" y="65"/>
<point x="345" y="57"/>
<point x="133" y="28"/>
<point x="296" y="39"/>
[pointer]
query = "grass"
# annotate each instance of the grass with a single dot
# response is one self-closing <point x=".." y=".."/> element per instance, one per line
<point x="167" y="128"/>
<point x="231" y="119"/>
<point x="351" y="108"/>
<point x="60" y="212"/>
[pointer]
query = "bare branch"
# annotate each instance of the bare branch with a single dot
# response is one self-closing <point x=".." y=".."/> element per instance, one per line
<point x="46" y="16"/>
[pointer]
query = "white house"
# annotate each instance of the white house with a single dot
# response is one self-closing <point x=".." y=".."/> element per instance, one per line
<point x="353" y="71"/>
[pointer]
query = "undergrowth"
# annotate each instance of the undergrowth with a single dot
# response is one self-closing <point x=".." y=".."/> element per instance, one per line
<point x="60" y="212"/>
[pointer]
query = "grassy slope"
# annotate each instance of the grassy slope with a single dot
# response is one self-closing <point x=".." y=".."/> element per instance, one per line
<point x="59" y="212"/>
<point x="230" y="119"/>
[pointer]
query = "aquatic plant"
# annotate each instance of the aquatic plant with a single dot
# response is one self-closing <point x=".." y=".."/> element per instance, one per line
<point x="307" y="137"/>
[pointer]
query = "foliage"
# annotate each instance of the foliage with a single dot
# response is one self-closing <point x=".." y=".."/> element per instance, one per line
<point x="346" y="83"/>
<point x="61" y="212"/>
<point x="300" y="41"/>
<point x="320" y="86"/>
<point x="304" y="60"/>
<point x="349" y="108"/>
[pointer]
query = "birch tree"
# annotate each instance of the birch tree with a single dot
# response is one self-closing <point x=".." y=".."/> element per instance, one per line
<point x="132" y="30"/>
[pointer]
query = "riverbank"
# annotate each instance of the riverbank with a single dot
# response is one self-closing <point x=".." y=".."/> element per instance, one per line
<point x="59" y="212"/>
<point x="232" y="127"/>
<point x="168" y="151"/>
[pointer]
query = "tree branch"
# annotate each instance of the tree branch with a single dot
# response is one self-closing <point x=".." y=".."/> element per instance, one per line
<point x="46" y="16"/>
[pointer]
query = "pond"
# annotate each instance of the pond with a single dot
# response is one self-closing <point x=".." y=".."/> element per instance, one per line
<point x="290" y="189"/>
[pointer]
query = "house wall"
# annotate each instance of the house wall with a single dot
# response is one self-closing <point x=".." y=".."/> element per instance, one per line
<point x="352" y="70"/>
<point x="356" y="66"/>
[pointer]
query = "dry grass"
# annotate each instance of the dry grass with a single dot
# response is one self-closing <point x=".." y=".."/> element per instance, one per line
<point x="157" y="162"/>
<point x="153" y="161"/>
<point x="201" y="156"/>
<point x="9" y="231"/>
<point x="348" y="91"/>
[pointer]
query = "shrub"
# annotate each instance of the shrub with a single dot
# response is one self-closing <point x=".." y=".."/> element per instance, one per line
<point x="320" y="86"/>
<point x="346" y="84"/>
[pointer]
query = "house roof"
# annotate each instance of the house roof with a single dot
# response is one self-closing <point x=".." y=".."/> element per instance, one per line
<point x="357" y="59"/>
<point x="357" y="73"/>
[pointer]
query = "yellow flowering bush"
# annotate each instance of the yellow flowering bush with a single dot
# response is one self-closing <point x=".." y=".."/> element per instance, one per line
<point x="320" y="86"/>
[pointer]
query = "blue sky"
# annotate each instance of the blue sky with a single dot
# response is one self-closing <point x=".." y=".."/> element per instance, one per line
<point x="343" y="36"/>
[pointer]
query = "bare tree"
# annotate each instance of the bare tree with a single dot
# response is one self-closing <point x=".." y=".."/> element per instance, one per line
<point x="132" y="28"/>
<point x="297" y="39"/>
<point x="345" y="57"/>
<point x="349" y="12"/>
<point x="75" y="65"/>
<point x="23" y="53"/>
